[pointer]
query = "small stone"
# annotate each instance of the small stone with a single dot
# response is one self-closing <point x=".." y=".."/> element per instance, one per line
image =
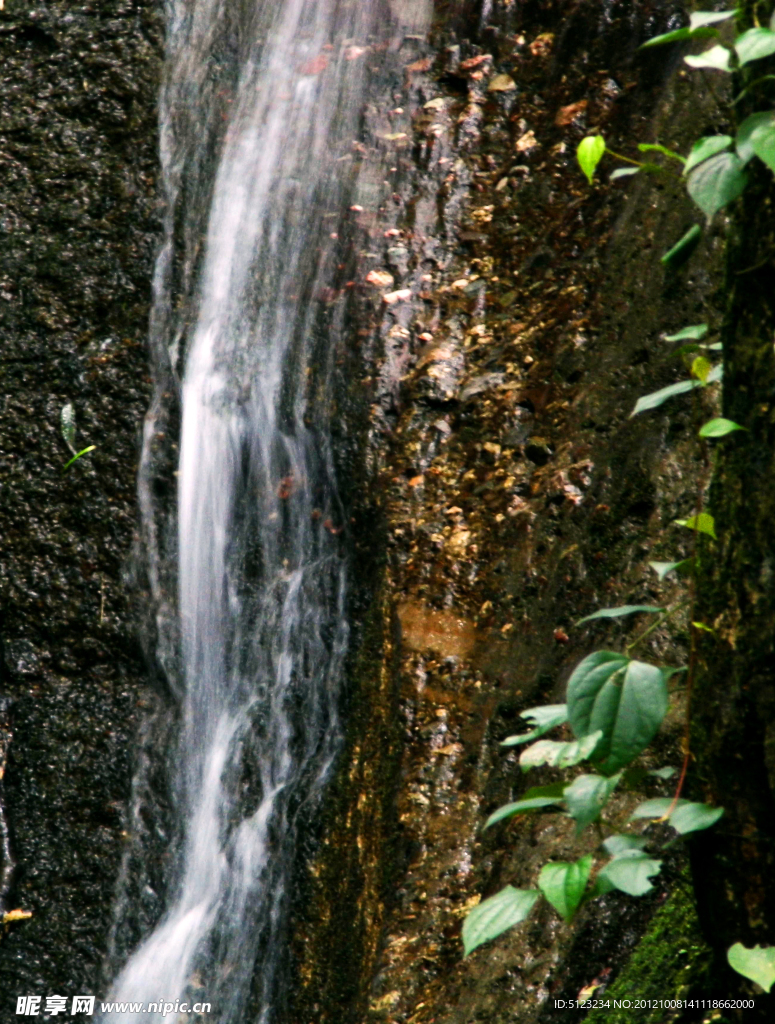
<point x="538" y="451"/>
<point x="501" y="83"/>
<point x="379" y="278"/>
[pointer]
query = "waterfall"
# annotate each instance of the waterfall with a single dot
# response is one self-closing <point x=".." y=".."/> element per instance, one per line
<point x="260" y="105"/>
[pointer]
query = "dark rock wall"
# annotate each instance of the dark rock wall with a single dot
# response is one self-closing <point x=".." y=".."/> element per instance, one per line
<point x="734" y="720"/>
<point x="78" y="231"/>
<point x="518" y="497"/>
<point x="497" y="490"/>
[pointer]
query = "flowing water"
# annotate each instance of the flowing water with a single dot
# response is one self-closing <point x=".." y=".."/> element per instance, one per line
<point x="260" y="105"/>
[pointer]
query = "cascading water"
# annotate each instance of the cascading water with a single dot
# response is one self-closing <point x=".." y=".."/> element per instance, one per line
<point x="255" y="175"/>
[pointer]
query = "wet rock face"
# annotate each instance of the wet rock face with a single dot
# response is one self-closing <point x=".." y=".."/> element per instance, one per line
<point x="78" y="231"/>
<point x="534" y="324"/>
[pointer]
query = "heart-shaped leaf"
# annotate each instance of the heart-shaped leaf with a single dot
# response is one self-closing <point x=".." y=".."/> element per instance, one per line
<point x="623" y="698"/>
<point x="587" y="796"/>
<point x="630" y="871"/>
<point x="762" y="142"/>
<point x="694" y="817"/>
<point x="589" y="154"/>
<point x="763" y="121"/>
<point x="705" y="148"/>
<point x="656" y="808"/>
<point x="543" y="718"/>
<point x="618" y="844"/>
<point x="755" y="44"/>
<point x="719" y="427"/>
<point x="758" y="963"/>
<point x="717" y="57"/>
<point x="563" y="885"/>
<point x="717" y="182"/>
<point x="495" y="915"/>
<point x="663" y="568"/>
<point x="559" y="755"/>
<point x="685" y="816"/>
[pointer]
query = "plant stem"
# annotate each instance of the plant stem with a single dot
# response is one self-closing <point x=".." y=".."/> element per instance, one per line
<point x="691" y="671"/>
<point x="626" y="159"/>
<point x="655" y="623"/>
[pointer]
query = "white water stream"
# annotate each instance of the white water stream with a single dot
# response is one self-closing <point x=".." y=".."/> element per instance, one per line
<point x="261" y="580"/>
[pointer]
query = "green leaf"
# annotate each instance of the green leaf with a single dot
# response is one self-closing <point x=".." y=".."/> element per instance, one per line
<point x="618" y="844"/>
<point x="559" y="755"/>
<point x="552" y="789"/>
<point x="616" y="613"/>
<point x="755" y="44"/>
<point x="685" y="816"/>
<point x="703" y="627"/>
<point x="705" y="148"/>
<point x="758" y="963"/>
<point x="668" y="672"/>
<point x="521" y="807"/>
<point x="656" y="808"/>
<point x="625" y="699"/>
<point x="630" y="871"/>
<point x="587" y="796"/>
<point x="678" y="35"/>
<point x="694" y="817"/>
<point x="701" y="368"/>
<point x="543" y="718"/>
<point x="717" y="57"/>
<point x="652" y="168"/>
<point x="68" y="426"/>
<point x="719" y="427"/>
<point x="763" y="144"/>
<point x="656" y="398"/>
<point x="563" y="885"/>
<point x="654" y="147"/>
<point x="83" y="451"/>
<point x="703" y="523"/>
<point x="675" y="258"/>
<point x="701" y="18"/>
<point x="496" y="915"/>
<point x="764" y="120"/>
<point x="717" y="182"/>
<point x="696" y="333"/>
<point x="589" y="154"/>
<point x="715" y="374"/>
<point x="663" y="773"/>
<point x="663" y="568"/>
<point x="623" y="172"/>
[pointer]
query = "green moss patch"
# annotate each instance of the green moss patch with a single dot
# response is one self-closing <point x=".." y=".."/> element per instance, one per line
<point x="670" y="961"/>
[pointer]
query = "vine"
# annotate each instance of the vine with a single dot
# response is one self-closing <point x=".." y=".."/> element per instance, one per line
<point x="615" y="704"/>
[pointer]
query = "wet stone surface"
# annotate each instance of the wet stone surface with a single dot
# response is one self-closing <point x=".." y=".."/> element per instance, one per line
<point x="78" y="232"/>
<point x="505" y="493"/>
<point x="517" y="494"/>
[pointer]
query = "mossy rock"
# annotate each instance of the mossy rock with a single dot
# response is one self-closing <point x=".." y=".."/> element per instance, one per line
<point x="670" y="962"/>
